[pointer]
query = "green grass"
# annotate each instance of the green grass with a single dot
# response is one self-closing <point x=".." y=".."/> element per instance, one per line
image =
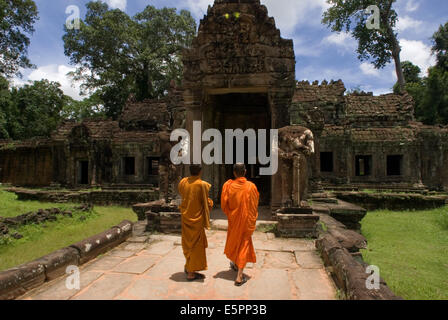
<point x="40" y="240"/>
<point x="10" y="207"/>
<point x="411" y="250"/>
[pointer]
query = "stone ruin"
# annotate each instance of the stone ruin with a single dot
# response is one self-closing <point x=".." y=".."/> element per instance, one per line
<point x="240" y="73"/>
<point x="370" y="142"/>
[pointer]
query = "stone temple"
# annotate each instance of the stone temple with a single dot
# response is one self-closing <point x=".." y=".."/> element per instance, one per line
<point x="240" y="73"/>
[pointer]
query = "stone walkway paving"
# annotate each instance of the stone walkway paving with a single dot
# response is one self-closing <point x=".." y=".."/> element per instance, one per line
<point x="151" y="267"/>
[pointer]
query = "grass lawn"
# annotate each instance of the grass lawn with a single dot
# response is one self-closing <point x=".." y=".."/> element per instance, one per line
<point x="40" y="240"/>
<point x="411" y="250"/>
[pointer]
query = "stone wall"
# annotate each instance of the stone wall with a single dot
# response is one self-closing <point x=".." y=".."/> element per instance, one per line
<point x="28" y="164"/>
<point x="17" y="281"/>
<point x="393" y="201"/>
<point x="238" y="52"/>
<point x="340" y="251"/>
<point x="103" y="198"/>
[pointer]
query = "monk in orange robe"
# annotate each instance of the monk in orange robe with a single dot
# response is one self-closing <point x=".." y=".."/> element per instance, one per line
<point x="239" y="201"/>
<point x="195" y="210"/>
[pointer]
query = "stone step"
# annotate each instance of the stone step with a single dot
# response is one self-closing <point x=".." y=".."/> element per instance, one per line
<point x="222" y="225"/>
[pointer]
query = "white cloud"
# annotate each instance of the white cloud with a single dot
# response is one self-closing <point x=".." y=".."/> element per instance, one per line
<point x="342" y="40"/>
<point x="56" y="73"/>
<point x="412" y="5"/>
<point x="338" y="38"/>
<point x="407" y="22"/>
<point x="198" y="8"/>
<point x="117" y="4"/>
<point x="418" y="53"/>
<point x="376" y="91"/>
<point x="369" y="70"/>
<point x="306" y="48"/>
<point x="289" y="14"/>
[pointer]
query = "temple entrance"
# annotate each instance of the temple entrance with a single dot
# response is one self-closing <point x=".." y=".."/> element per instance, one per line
<point x="239" y="111"/>
<point x="83" y="172"/>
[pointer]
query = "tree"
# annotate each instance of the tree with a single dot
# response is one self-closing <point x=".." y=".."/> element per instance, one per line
<point x="35" y="109"/>
<point x="434" y="105"/>
<point x="117" y="55"/>
<point x="17" y="18"/>
<point x="414" y="82"/>
<point x="5" y="100"/>
<point x="378" y="45"/>
<point x="89" y="108"/>
<point x="411" y="72"/>
<point x="440" y="46"/>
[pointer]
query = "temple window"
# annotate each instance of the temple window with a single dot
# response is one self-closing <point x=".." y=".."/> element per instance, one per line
<point x="153" y="166"/>
<point x="363" y="166"/>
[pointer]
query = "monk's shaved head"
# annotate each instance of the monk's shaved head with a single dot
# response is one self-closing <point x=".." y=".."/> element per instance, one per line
<point x="239" y="169"/>
<point x="195" y="169"/>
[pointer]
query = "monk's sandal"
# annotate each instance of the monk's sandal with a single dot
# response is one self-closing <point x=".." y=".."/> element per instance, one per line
<point x="197" y="276"/>
<point x="243" y="281"/>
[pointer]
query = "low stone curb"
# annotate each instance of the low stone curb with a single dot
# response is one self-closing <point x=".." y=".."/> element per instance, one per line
<point x="339" y="248"/>
<point x="393" y="201"/>
<point x="103" y="197"/>
<point x="17" y="281"/>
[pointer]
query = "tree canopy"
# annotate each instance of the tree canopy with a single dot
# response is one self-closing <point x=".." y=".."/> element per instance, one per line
<point x="380" y="46"/>
<point x="440" y="46"/>
<point x="33" y="110"/>
<point x="17" y="18"/>
<point x="117" y="55"/>
<point x="430" y="92"/>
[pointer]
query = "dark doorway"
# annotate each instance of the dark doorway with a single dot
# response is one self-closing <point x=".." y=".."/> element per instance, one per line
<point x="83" y="172"/>
<point x="242" y="111"/>
<point x="152" y="164"/>
<point x="363" y="166"/>
<point x="394" y="165"/>
<point x="129" y="166"/>
<point x="326" y="162"/>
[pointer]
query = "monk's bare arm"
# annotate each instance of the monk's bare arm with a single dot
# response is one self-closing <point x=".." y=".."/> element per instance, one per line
<point x="225" y="198"/>
<point x="180" y="187"/>
<point x="254" y="198"/>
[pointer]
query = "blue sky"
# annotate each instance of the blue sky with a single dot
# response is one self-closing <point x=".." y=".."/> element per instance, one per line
<point x="320" y="54"/>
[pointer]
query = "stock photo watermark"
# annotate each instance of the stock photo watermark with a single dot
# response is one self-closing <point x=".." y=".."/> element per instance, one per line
<point x="235" y="140"/>
<point x="73" y="281"/>
<point x="73" y="21"/>
<point x="373" y="22"/>
<point x="373" y="280"/>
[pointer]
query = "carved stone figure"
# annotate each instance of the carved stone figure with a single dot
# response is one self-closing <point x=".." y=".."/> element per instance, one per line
<point x="169" y="174"/>
<point x="296" y="145"/>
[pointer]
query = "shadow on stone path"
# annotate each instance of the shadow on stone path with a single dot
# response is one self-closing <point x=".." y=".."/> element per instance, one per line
<point x="150" y="267"/>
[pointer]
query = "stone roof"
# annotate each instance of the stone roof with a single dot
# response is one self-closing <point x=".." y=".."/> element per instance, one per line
<point x="145" y="115"/>
<point x="31" y="143"/>
<point x="383" y="134"/>
<point x="315" y="92"/>
<point x="333" y="131"/>
<point x="101" y="130"/>
<point x="371" y="134"/>
<point x="135" y="137"/>
<point x="388" y="105"/>
<point x="94" y="129"/>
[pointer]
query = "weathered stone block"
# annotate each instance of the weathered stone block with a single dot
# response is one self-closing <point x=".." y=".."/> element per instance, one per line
<point x="297" y="225"/>
<point x="349" y="239"/>
<point x="17" y="281"/>
<point x="100" y="243"/>
<point x="56" y="263"/>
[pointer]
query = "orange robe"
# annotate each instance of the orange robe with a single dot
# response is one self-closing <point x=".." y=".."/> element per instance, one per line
<point x="195" y="209"/>
<point x="239" y="201"/>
